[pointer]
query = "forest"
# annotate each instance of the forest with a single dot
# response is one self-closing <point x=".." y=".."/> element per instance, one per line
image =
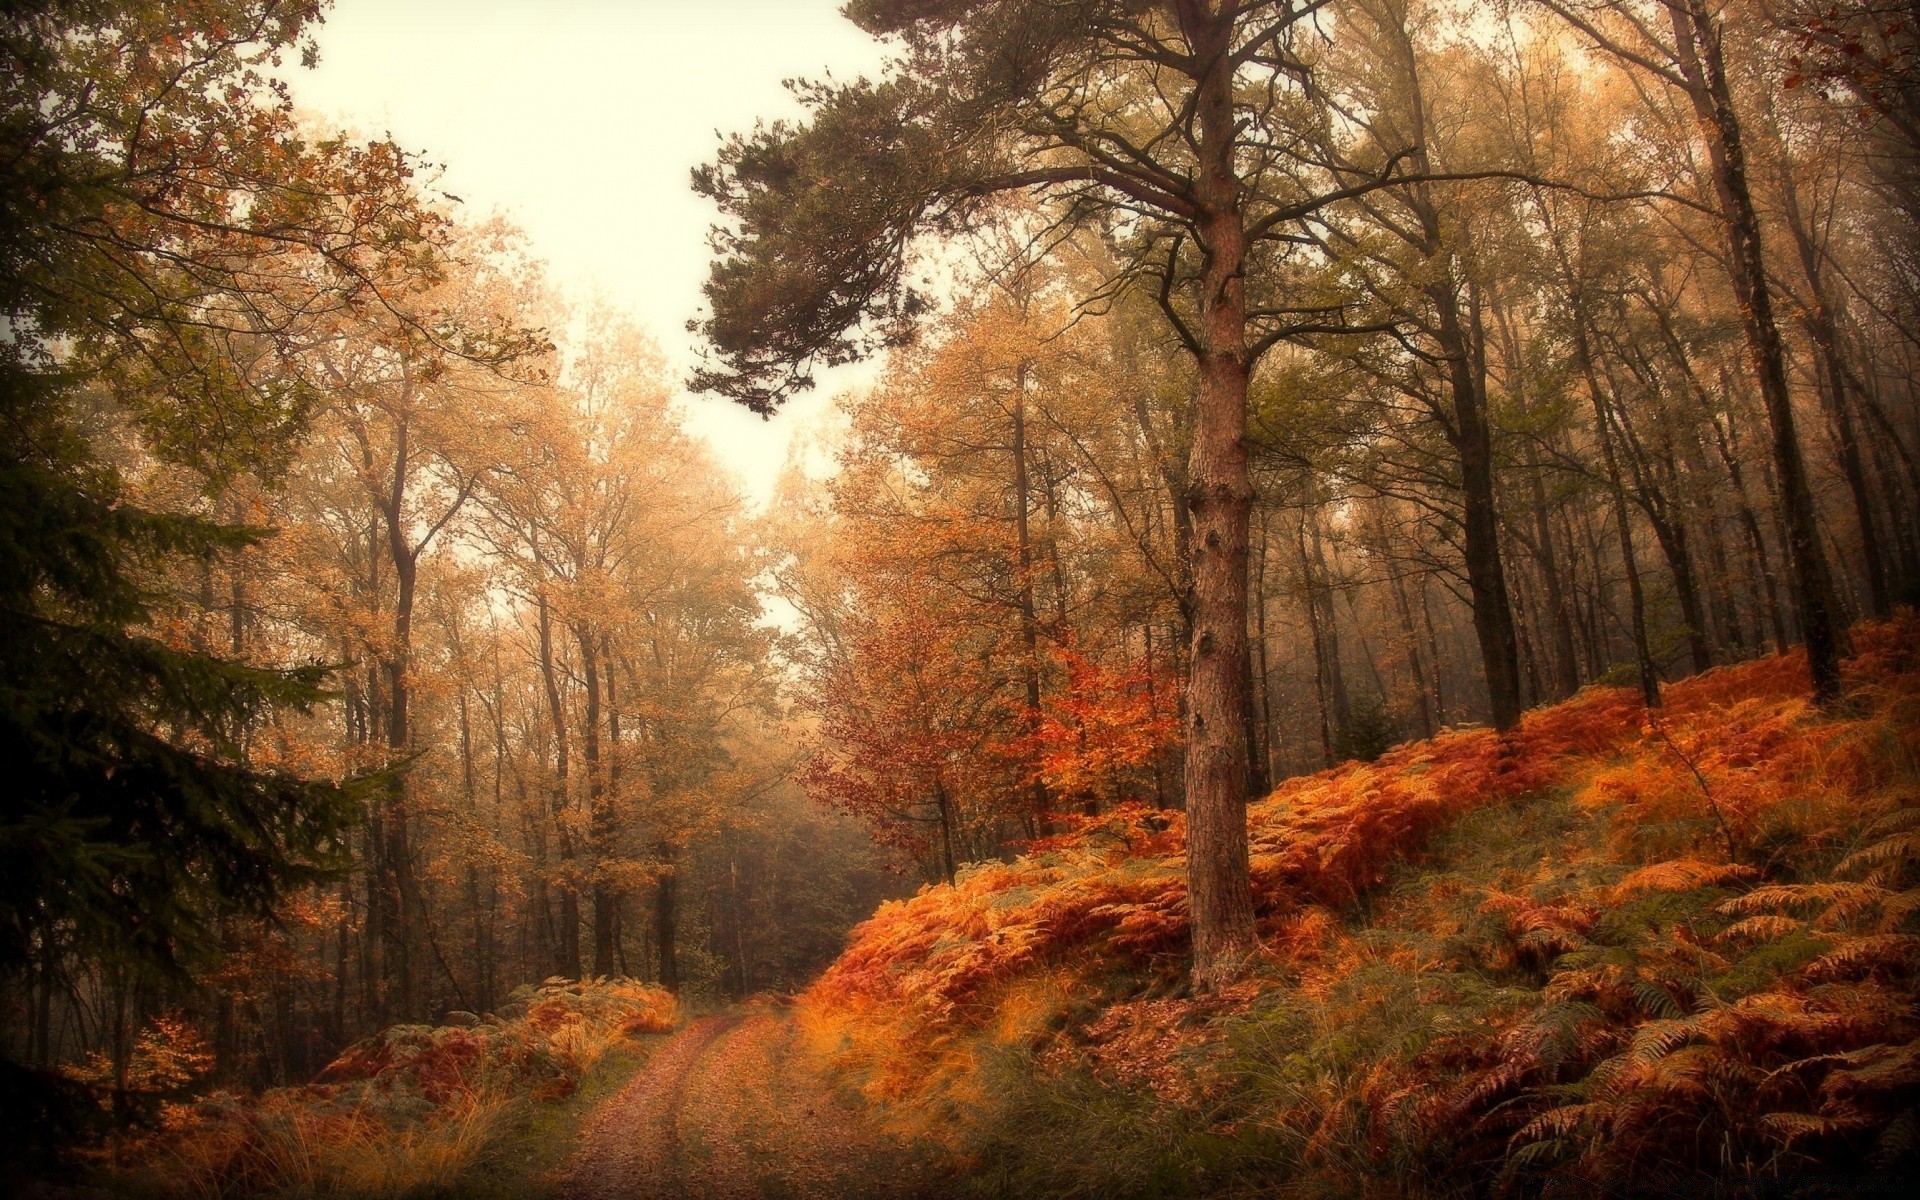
<point x="1346" y="627"/>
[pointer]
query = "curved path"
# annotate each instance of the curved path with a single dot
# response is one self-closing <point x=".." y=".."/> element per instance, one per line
<point x="727" y="1109"/>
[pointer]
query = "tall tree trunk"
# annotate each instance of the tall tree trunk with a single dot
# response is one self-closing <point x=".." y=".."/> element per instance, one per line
<point x="1433" y="655"/>
<point x="398" y="919"/>
<point x="567" y="942"/>
<point x="1697" y="35"/>
<point x="1760" y="569"/>
<point x="666" y="917"/>
<point x="1603" y="422"/>
<point x="1396" y="581"/>
<point x="1467" y="426"/>
<point x="1316" y="631"/>
<point x="943" y="808"/>
<point x="1824" y="327"/>
<point x="1329" y="625"/>
<point x="1670" y="533"/>
<point x="1029" y="617"/>
<point x="1472" y="437"/>
<point x="1262" y="673"/>
<point x="599" y="820"/>
<point x="613" y="896"/>
<point x="1566" y="665"/>
<point x="1220" y="889"/>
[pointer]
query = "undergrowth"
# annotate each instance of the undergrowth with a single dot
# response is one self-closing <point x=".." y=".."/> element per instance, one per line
<point x="1606" y="954"/>
<point x="416" y="1111"/>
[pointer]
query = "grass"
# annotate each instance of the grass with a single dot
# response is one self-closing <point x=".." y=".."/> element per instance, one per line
<point x="520" y="1163"/>
<point x="1607" y="955"/>
<point x="482" y="1107"/>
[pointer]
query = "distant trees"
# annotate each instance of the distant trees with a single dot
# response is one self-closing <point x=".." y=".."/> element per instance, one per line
<point x="1518" y="353"/>
<point x="374" y="638"/>
<point x="1133" y="120"/>
<point x="364" y="653"/>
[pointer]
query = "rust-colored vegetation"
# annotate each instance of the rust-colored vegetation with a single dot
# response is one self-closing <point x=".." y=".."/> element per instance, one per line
<point x="1609" y="950"/>
<point x="405" y="1111"/>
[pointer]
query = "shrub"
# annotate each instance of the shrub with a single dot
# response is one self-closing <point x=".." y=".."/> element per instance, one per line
<point x="1605" y="952"/>
<point x="407" y="1110"/>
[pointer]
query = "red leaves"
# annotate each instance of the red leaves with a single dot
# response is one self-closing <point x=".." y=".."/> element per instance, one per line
<point x="1102" y="731"/>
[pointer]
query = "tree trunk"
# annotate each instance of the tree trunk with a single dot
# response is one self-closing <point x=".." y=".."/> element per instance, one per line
<point x="1262" y="694"/>
<point x="1759" y="568"/>
<point x="1697" y="36"/>
<point x="1824" y="328"/>
<point x="1566" y="665"/>
<point x="1472" y="439"/>
<point x="397" y="853"/>
<point x="1220" y="890"/>
<point x="1629" y="561"/>
<point x="1316" y="631"/>
<point x="600" y="822"/>
<point x="666" y="896"/>
<point x="1029" y="617"/>
<point x="567" y="941"/>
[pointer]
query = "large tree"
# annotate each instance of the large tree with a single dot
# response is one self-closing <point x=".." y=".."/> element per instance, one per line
<point x="1183" y="129"/>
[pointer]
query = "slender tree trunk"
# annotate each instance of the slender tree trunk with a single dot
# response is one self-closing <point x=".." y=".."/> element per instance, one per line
<point x="666" y="917"/>
<point x="1603" y="422"/>
<point x="1697" y="35"/>
<point x="611" y="895"/>
<point x="1322" y="676"/>
<point x="1433" y="655"/>
<point x="567" y="943"/>
<point x="1467" y="426"/>
<point x="600" y="821"/>
<point x="399" y="918"/>
<point x="1029" y="617"/>
<point x="1566" y="666"/>
<point x="1262" y="677"/>
<point x="1823" y="325"/>
<point x="1397" y="583"/>
<point x="1760" y="568"/>
<point x="943" y="807"/>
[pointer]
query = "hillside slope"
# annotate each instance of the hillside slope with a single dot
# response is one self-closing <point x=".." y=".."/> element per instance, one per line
<point x="1601" y="953"/>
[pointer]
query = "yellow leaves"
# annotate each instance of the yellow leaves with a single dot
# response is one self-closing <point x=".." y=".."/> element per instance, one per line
<point x="167" y="1055"/>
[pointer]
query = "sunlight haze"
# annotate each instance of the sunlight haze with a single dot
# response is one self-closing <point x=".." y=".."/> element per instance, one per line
<point x="579" y="122"/>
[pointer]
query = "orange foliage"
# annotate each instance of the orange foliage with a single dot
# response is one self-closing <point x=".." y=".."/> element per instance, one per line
<point x="1761" y="1012"/>
<point x="401" y="1111"/>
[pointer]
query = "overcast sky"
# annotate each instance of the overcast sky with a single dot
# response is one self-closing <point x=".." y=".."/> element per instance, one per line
<point x="579" y="120"/>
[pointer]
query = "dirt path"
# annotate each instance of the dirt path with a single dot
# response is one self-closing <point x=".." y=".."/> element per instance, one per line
<point x="729" y="1109"/>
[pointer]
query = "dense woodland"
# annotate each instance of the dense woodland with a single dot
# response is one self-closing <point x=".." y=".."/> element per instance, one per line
<point x="1257" y="388"/>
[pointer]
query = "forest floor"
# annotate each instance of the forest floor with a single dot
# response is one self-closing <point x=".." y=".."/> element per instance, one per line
<point x="730" y="1108"/>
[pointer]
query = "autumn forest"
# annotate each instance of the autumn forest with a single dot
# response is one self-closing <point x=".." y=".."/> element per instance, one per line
<point x="1318" y="601"/>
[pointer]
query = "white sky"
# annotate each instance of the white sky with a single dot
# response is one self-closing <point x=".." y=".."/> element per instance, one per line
<point x="579" y="120"/>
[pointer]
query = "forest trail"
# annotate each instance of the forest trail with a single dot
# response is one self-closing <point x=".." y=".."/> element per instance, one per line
<point x="729" y="1108"/>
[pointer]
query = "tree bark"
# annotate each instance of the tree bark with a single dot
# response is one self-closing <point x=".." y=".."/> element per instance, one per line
<point x="666" y="900"/>
<point x="567" y="941"/>
<point x="1029" y="616"/>
<point x="599" y="821"/>
<point x="1697" y="35"/>
<point x="1823" y="326"/>
<point x="397" y="853"/>
<point x="1220" y="890"/>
